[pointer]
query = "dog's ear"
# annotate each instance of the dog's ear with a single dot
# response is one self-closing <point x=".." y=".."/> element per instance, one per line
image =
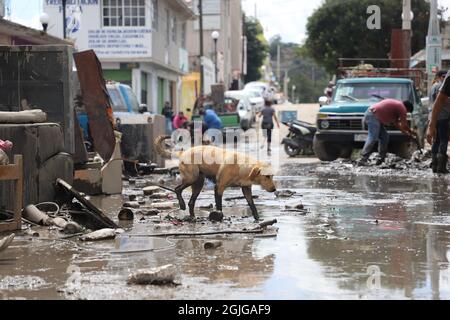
<point x="255" y="173"/>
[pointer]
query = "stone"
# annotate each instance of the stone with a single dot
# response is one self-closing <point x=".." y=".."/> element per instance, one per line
<point x="159" y="195"/>
<point x="131" y="204"/>
<point x="163" y="205"/>
<point x="151" y="190"/>
<point x="216" y="216"/>
<point x="103" y="234"/>
<point x="157" y="276"/>
<point x="212" y="245"/>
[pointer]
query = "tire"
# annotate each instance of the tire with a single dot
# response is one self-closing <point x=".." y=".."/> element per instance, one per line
<point x="325" y="151"/>
<point x="405" y="150"/>
<point x="291" y="152"/>
<point x="245" y="125"/>
<point x="346" y="153"/>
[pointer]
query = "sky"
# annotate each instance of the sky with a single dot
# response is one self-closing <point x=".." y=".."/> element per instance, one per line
<point x="287" y="18"/>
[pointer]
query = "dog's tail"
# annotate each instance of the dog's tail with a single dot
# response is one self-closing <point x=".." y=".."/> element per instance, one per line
<point x="160" y="147"/>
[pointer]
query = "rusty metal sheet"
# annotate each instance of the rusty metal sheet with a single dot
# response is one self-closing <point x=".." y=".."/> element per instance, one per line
<point x="97" y="102"/>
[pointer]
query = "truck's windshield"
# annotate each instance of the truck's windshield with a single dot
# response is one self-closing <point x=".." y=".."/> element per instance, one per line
<point x="346" y="92"/>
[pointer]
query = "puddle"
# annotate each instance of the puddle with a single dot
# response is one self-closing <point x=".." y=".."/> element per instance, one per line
<point x="356" y="226"/>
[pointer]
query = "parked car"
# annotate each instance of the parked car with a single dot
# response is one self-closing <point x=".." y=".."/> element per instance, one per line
<point x="131" y="119"/>
<point x="256" y="99"/>
<point x="246" y="110"/>
<point x="264" y="88"/>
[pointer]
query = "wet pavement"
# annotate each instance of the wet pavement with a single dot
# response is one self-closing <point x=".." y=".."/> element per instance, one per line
<point x="363" y="237"/>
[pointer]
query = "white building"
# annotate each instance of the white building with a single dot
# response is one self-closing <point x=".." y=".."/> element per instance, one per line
<point x="139" y="42"/>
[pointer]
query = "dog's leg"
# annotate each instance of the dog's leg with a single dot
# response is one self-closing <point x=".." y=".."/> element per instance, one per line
<point x="179" y="192"/>
<point x="247" y="191"/>
<point x="196" y="189"/>
<point x="218" y="196"/>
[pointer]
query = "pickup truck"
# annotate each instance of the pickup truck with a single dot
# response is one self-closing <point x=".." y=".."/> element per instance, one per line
<point x="340" y="124"/>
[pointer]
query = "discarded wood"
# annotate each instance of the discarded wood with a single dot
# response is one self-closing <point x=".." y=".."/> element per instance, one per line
<point x="5" y="242"/>
<point x="27" y="116"/>
<point x="239" y="198"/>
<point x="156" y="276"/>
<point x="212" y="245"/>
<point x="131" y="204"/>
<point x="161" y="206"/>
<point x="267" y="223"/>
<point x="93" y="211"/>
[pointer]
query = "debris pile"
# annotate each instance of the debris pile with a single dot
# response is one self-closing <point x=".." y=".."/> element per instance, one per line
<point x="419" y="162"/>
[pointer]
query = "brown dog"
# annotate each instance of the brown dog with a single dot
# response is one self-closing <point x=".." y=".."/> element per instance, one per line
<point x="226" y="168"/>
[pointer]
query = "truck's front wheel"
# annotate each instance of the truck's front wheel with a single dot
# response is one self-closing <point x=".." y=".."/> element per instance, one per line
<point x="326" y="151"/>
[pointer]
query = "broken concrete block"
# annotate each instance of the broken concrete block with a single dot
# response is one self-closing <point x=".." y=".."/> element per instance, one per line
<point x="103" y="234"/>
<point x="151" y="190"/>
<point x="212" y="245"/>
<point x="156" y="276"/>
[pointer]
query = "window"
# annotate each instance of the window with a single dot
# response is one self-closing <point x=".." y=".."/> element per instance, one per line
<point x="174" y="29"/>
<point x="123" y="13"/>
<point x="183" y="35"/>
<point x="155" y="14"/>
<point x="118" y="104"/>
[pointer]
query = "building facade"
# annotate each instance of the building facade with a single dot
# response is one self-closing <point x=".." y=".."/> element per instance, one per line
<point x="139" y="42"/>
<point x="224" y="16"/>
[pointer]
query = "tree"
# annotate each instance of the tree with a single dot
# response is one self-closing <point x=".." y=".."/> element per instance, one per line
<point x="257" y="48"/>
<point x="338" y="29"/>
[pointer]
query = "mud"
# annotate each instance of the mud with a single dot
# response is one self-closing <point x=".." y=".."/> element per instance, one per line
<point x="358" y="235"/>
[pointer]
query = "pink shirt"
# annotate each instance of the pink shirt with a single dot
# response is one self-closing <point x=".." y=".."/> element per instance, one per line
<point x="179" y="121"/>
<point x="390" y="111"/>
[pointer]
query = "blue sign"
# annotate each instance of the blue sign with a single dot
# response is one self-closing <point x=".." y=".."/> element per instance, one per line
<point x="288" y="116"/>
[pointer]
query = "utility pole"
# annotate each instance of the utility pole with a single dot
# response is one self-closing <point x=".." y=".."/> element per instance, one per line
<point x="286" y="83"/>
<point x="64" y="18"/>
<point x="202" y="69"/>
<point x="256" y="11"/>
<point x="278" y="63"/>
<point x="434" y="44"/>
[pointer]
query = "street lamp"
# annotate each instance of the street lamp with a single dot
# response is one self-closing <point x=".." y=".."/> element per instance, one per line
<point x="293" y="93"/>
<point x="64" y="18"/>
<point x="44" y="19"/>
<point x="215" y="35"/>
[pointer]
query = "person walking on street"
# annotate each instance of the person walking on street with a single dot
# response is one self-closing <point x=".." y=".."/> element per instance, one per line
<point x="179" y="120"/>
<point x="386" y="112"/>
<point x="438" y="128"/>
<point x="168" y="113"/>
<point x="269" y="115"/>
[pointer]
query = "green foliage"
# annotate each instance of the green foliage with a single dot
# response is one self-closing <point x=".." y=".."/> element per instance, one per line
<point x="338" y="29"/>
<point x="257" y="48"/>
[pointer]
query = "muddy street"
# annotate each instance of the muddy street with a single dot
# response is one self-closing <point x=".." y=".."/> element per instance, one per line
<point x="360" y="237"/>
